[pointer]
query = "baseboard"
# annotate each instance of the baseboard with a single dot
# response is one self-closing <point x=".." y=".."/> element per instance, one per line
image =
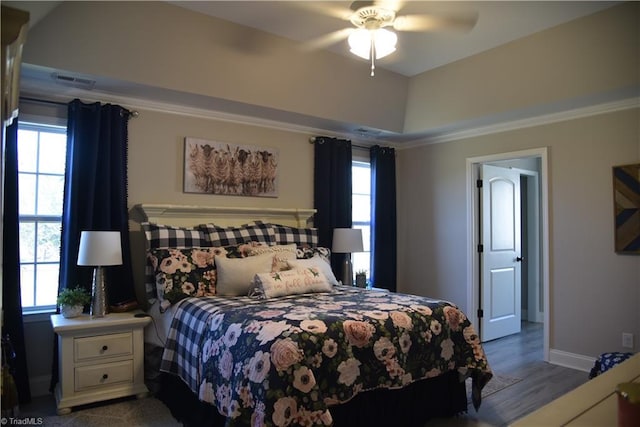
<point x="39" y="385"/>
<point x="571" y="360"/>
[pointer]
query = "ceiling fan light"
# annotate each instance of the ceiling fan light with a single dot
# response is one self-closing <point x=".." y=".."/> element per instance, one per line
<point x="360" y="43"/>
<point x="385" y="42"/>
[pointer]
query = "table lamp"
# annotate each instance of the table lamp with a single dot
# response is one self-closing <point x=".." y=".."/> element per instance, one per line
<point x="346" y="241"/>
<point x="99" y="249"/>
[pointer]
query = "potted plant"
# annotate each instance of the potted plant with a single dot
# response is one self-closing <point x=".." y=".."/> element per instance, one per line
<point x="361" y="278"/>
<point x="72" y="301"/>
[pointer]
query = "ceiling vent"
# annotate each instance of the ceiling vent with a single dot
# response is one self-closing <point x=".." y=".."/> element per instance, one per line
<point x="73" y="81"/>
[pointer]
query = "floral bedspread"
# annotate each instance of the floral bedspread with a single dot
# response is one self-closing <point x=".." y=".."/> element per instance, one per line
<point x="285" y="361"/>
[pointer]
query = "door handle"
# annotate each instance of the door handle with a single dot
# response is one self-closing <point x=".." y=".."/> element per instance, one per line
<point x="519" y="259"/>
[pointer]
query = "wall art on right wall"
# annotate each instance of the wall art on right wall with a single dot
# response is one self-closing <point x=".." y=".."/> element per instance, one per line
<point x="626" y="197"/>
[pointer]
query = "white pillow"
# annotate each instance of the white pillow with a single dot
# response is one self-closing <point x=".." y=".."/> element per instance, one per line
<point x="290" y="282"/>
<point x="316" y="261"/>
<point x="282" y="254"/>
<point x="236" y="274"/>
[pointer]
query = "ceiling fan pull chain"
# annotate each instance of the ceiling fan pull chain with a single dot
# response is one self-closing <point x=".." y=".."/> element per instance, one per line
<point x="373" y="56"/>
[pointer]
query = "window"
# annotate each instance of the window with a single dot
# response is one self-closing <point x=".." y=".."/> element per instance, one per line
<point x="361" y="213"/>
<point x="41" y="164"/>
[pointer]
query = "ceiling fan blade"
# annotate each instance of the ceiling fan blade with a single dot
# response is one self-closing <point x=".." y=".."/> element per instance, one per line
<point x="322" y="8"/>
<point x="327" y="40"/>
<point x="394" y="5"/>
<point x="459" y="22"/>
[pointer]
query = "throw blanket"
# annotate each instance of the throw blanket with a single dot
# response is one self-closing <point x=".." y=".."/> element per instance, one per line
<point x="286" y="361"/>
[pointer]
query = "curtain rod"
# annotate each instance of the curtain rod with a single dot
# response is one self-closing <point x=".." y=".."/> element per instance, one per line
<point x="42" y="101"/>
<point x="132" y="113"/>
<point x="312" y="140"/>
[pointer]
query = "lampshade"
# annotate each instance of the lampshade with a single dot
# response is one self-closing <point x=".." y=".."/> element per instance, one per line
<point x="347" y="240"/>
<point x="99" y="248"/>
<point x="382" y="40"/>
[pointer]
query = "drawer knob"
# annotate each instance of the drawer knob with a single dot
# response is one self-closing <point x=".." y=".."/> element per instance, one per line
<point x="105" y="376"/>
<point x="105" y="348"/>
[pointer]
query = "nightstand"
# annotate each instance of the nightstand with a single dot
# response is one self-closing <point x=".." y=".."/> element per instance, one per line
<point x="99" y="358"/>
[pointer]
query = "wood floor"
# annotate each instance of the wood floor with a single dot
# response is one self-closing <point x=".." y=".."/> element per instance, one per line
<point x="519" y="356"/>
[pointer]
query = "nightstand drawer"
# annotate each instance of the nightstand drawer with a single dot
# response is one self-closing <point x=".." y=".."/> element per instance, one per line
<point x="103" y="375"/>
<point x="89" y="348"/>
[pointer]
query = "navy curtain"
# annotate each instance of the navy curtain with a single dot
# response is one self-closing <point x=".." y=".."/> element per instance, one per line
<point x="383" y="217"/>
<point x="95" y="192"/>
<point x="332" y="191"/>
<point x="11" y="297"/>
<point x="95" y="195"/>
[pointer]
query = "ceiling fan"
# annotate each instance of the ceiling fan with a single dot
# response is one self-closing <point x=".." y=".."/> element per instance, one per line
<point x="372" y="36"/>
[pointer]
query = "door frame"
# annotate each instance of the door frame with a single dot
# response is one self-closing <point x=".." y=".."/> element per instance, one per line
<point x="473" y="232"/>
<point x="533" y="228"/>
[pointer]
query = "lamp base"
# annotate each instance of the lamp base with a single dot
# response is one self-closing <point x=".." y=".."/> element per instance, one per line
<point x="99" y="293"/>
<point x="347" y="271"/>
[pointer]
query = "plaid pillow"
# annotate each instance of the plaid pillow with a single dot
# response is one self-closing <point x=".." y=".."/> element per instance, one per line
<point x="300" y="236"/>
<point x="256" y="232"/>
<point x="164" y="236"/>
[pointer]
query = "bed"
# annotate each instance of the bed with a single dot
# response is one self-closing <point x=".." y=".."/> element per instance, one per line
<point x="293" y="346"/>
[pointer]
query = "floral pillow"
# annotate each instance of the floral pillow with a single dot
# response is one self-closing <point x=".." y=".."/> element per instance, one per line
<point x="183" y="273"/>
<point x="166" y="236"/>
<point x="305" y="252"/>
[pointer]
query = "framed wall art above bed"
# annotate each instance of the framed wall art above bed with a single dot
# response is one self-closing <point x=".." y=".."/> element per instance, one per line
<point x="212" y="167"/>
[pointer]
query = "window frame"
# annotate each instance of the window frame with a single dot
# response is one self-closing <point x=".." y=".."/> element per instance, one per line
<point x="43" y="125"/>
<point x="363" y="162"/>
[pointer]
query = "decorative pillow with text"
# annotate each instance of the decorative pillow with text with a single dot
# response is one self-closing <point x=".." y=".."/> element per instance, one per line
<point x="316" y="262"/>
<point x="290" y="282"/>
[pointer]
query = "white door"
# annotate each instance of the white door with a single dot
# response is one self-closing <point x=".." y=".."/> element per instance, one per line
<point x="501" y="256"/>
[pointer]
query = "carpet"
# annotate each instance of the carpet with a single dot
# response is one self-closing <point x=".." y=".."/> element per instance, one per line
<point x="497" y="383"/>
<point x="130" y="412"/>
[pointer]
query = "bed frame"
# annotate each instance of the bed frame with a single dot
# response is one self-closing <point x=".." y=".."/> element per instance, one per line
<point x="442" y="396"/>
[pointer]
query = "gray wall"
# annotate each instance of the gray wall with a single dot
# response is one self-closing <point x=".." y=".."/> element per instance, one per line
<point x="594" y="292"/>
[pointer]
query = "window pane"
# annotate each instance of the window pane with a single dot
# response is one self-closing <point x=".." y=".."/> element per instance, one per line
<point x="50" y="190"/>
<point x="48" y="241"/>
<point x="52" y="152"/>
<point x="366" y="236"/>
<point x="360" y="262"/>
<point x="361" y="180"/>
<point x="361" y="214"/>
<point x="27" y="285"/>
<point x="27" y="233"/>
<point x="27" y="150"/>
<point x="26" y="194"/>
<point x="361" y="208"/>
<point x="47" y="284"/>
<point x="41" y="162"/>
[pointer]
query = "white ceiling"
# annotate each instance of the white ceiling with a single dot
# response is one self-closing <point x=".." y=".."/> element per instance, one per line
<point x="499" y="22"/>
